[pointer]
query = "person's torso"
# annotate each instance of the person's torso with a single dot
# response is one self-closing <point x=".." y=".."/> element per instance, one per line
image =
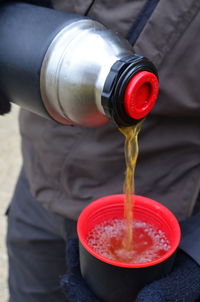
<point x="68" y="167"/>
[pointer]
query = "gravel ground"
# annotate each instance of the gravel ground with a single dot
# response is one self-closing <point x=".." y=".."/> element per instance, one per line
<point x="10" y="162"/>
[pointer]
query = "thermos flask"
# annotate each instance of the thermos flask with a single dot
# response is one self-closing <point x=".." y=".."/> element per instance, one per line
<point x="71" y="68"/>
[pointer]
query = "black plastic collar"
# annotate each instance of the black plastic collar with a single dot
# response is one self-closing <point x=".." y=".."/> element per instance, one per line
<point x="113" y="92"/>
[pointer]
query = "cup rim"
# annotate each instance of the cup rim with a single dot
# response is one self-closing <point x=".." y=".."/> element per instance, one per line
<point x="118" y="198"/>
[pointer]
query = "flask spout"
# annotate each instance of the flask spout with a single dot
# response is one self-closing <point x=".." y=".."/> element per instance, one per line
<point x="131" y="90"/>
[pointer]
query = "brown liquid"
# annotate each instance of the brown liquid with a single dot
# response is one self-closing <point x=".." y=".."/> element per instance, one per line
<point x="128" y="240"/>
<point x="107" y="237"/>
<point x="131" y="155"/>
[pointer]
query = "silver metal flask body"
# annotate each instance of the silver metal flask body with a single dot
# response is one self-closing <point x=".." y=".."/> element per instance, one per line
<point x="74" y="71"/>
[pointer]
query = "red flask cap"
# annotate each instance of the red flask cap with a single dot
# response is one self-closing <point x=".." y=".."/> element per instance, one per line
<point x="141" y="94"/>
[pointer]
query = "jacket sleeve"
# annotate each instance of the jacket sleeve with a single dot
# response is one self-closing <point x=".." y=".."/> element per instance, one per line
<point x="190" y="242"/>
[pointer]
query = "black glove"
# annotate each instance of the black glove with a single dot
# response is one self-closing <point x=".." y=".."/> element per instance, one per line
<point x="5" y="105"/>
<point x="183" y="284"/>
<point x="46" y="3"/>
<point x="73" y="285"/>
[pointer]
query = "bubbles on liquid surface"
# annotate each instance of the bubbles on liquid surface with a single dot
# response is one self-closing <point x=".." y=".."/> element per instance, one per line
<point x="149" y="243"/>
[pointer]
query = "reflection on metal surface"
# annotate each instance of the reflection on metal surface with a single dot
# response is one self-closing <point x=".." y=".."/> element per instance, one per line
<point x="74" y="71"/>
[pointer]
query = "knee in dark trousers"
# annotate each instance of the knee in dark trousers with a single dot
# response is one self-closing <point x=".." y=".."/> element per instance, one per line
<point x="36" y="240"/>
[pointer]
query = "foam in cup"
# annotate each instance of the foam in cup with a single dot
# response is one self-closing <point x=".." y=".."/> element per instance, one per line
<point x="149" y="243"/>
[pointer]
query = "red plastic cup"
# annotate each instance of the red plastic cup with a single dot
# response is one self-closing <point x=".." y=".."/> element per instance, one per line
<point x="114" y="281"/>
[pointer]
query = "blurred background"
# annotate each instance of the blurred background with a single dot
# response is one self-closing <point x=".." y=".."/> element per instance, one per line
<point x="10" y="163"/>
